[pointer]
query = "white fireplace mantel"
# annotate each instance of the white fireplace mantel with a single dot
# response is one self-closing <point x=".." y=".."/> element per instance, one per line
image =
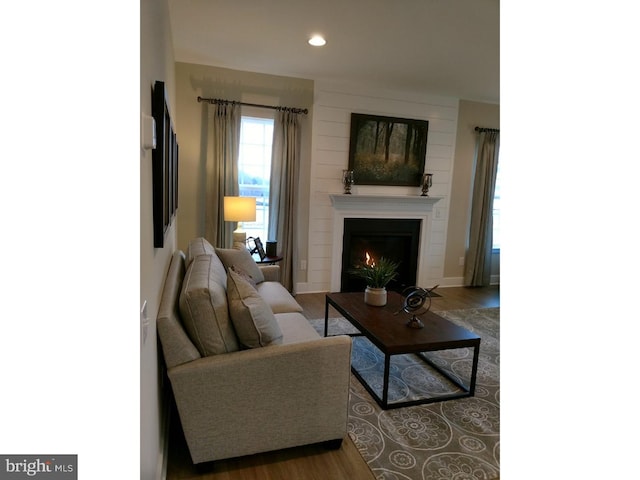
<point x="383" y="203"/>
<point x="381" y="206"/>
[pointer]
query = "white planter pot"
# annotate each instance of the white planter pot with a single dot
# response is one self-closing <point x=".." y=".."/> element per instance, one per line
<point x="376" y="297"/>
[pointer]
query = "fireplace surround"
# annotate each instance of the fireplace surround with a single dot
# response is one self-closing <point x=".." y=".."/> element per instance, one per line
<point x="394" y="239"/>
<point x="382" y="207"/>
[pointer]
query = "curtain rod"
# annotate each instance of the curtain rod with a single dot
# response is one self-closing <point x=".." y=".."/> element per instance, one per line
<point x="215" y="101"/>
<point x="483" y="129"/>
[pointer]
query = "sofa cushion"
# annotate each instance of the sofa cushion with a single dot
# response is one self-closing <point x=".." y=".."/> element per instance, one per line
<point x="295" y="328"/>
<point x="278" y="297"/>
<point x="254" y="322"/>
<point x="240" y="258"/>
<point x="198" y="246"/>
<point x="203" y="307"/>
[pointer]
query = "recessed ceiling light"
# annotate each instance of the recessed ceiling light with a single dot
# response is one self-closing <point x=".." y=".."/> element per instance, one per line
<point x="317" y="41"/>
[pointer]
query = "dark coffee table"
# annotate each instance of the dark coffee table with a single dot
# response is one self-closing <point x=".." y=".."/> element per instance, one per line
<point x="389" y="333"/>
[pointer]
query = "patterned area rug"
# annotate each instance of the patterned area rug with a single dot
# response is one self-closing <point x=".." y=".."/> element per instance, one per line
<point x="454" y="439"/>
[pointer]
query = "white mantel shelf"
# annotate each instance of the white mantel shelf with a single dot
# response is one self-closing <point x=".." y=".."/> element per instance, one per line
<point x="382" y="203"/>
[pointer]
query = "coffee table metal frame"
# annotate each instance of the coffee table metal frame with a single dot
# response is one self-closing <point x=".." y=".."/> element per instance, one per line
<point x="382" y="327"/>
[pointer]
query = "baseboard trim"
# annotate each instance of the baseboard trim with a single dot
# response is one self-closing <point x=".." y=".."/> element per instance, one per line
<point x="459" y="281"/>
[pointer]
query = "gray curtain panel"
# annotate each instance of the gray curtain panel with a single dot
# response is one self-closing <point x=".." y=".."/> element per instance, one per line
<point x="477" y="267"/>
<point x="283" y="191"/>
<point x="223" y="147"/>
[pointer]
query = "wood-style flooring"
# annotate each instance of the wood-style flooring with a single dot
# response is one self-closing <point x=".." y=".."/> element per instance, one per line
<point x="312" y="462"/>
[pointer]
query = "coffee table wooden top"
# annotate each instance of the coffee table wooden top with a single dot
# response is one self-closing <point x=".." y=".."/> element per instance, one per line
<point x="388" y="330"/>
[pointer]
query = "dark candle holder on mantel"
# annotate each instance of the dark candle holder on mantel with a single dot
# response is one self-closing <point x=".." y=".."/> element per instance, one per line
<point x="427" y="181"/>
<point x="347" y="181"/>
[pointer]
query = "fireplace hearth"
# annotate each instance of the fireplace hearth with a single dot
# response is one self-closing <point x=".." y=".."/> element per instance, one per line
<point x="395" y="239"/>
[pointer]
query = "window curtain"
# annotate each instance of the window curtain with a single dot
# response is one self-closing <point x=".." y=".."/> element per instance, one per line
<point x="283" y="191"/>
<point x="478" y="257"/>
<point x="221" y="171"/>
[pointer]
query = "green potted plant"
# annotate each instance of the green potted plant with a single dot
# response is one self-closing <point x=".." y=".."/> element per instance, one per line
<point x="376" y="275"/>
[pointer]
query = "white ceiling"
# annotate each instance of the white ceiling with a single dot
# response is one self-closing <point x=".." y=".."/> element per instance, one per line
<point x="445" y="47"/>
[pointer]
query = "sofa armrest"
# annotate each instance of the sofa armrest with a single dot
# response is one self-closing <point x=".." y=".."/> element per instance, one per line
<point x="264" y="399"/>
<point x="271" y="272"/>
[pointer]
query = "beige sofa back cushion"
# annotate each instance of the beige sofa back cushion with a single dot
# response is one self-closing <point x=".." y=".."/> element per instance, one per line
<point x="252" y="318"/>
<point x="198" y="246"/>
<point x="203" y="307"/>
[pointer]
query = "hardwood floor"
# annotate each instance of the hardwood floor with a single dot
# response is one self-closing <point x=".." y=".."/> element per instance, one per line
<point x="452" y="298"/>
<point x="312" y="462"/>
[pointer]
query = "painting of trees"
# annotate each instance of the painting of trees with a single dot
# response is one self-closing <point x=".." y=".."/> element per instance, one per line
<point x="387" y="150"/>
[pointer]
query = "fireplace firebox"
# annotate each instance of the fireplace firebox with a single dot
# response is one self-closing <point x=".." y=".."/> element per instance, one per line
<point x="394" y="239"/>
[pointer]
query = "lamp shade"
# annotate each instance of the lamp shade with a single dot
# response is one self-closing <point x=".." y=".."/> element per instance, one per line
<point x="239" y="209"/>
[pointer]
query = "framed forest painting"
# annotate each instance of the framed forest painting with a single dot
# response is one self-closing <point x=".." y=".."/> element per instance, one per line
<point x="387" y="150"/>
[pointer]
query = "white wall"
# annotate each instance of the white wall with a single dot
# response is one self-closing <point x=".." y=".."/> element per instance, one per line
<point x="156" y="63"/>
<point x="333" y="105"/>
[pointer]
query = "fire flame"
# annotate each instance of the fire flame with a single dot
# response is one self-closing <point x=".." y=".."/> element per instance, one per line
<point x="369" y="260"/>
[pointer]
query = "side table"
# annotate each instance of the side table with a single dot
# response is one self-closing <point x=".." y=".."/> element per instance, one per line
<point x="267" y="260"/>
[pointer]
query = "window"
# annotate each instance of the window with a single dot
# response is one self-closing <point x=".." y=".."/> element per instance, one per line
<point x="254" y="170"/>
<point x="496" y="212"/>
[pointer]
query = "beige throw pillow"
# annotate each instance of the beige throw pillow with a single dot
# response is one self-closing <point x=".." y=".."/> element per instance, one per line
<point x="240" y="258"/>
<point x="254" y="322"/>
<point x="244" y="275"/>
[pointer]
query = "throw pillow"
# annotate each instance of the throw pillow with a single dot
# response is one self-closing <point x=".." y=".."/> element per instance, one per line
<point x="203" y="308"/>
<point x="240" y="258"/>
<point x="244" y="275"/>
<point x="254" y="322"/>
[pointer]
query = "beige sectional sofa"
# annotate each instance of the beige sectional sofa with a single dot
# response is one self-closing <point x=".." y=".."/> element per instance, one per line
<point x="248" y="372"/>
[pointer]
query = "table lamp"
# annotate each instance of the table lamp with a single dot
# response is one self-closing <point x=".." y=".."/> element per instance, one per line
<point x="239" y="209"/>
